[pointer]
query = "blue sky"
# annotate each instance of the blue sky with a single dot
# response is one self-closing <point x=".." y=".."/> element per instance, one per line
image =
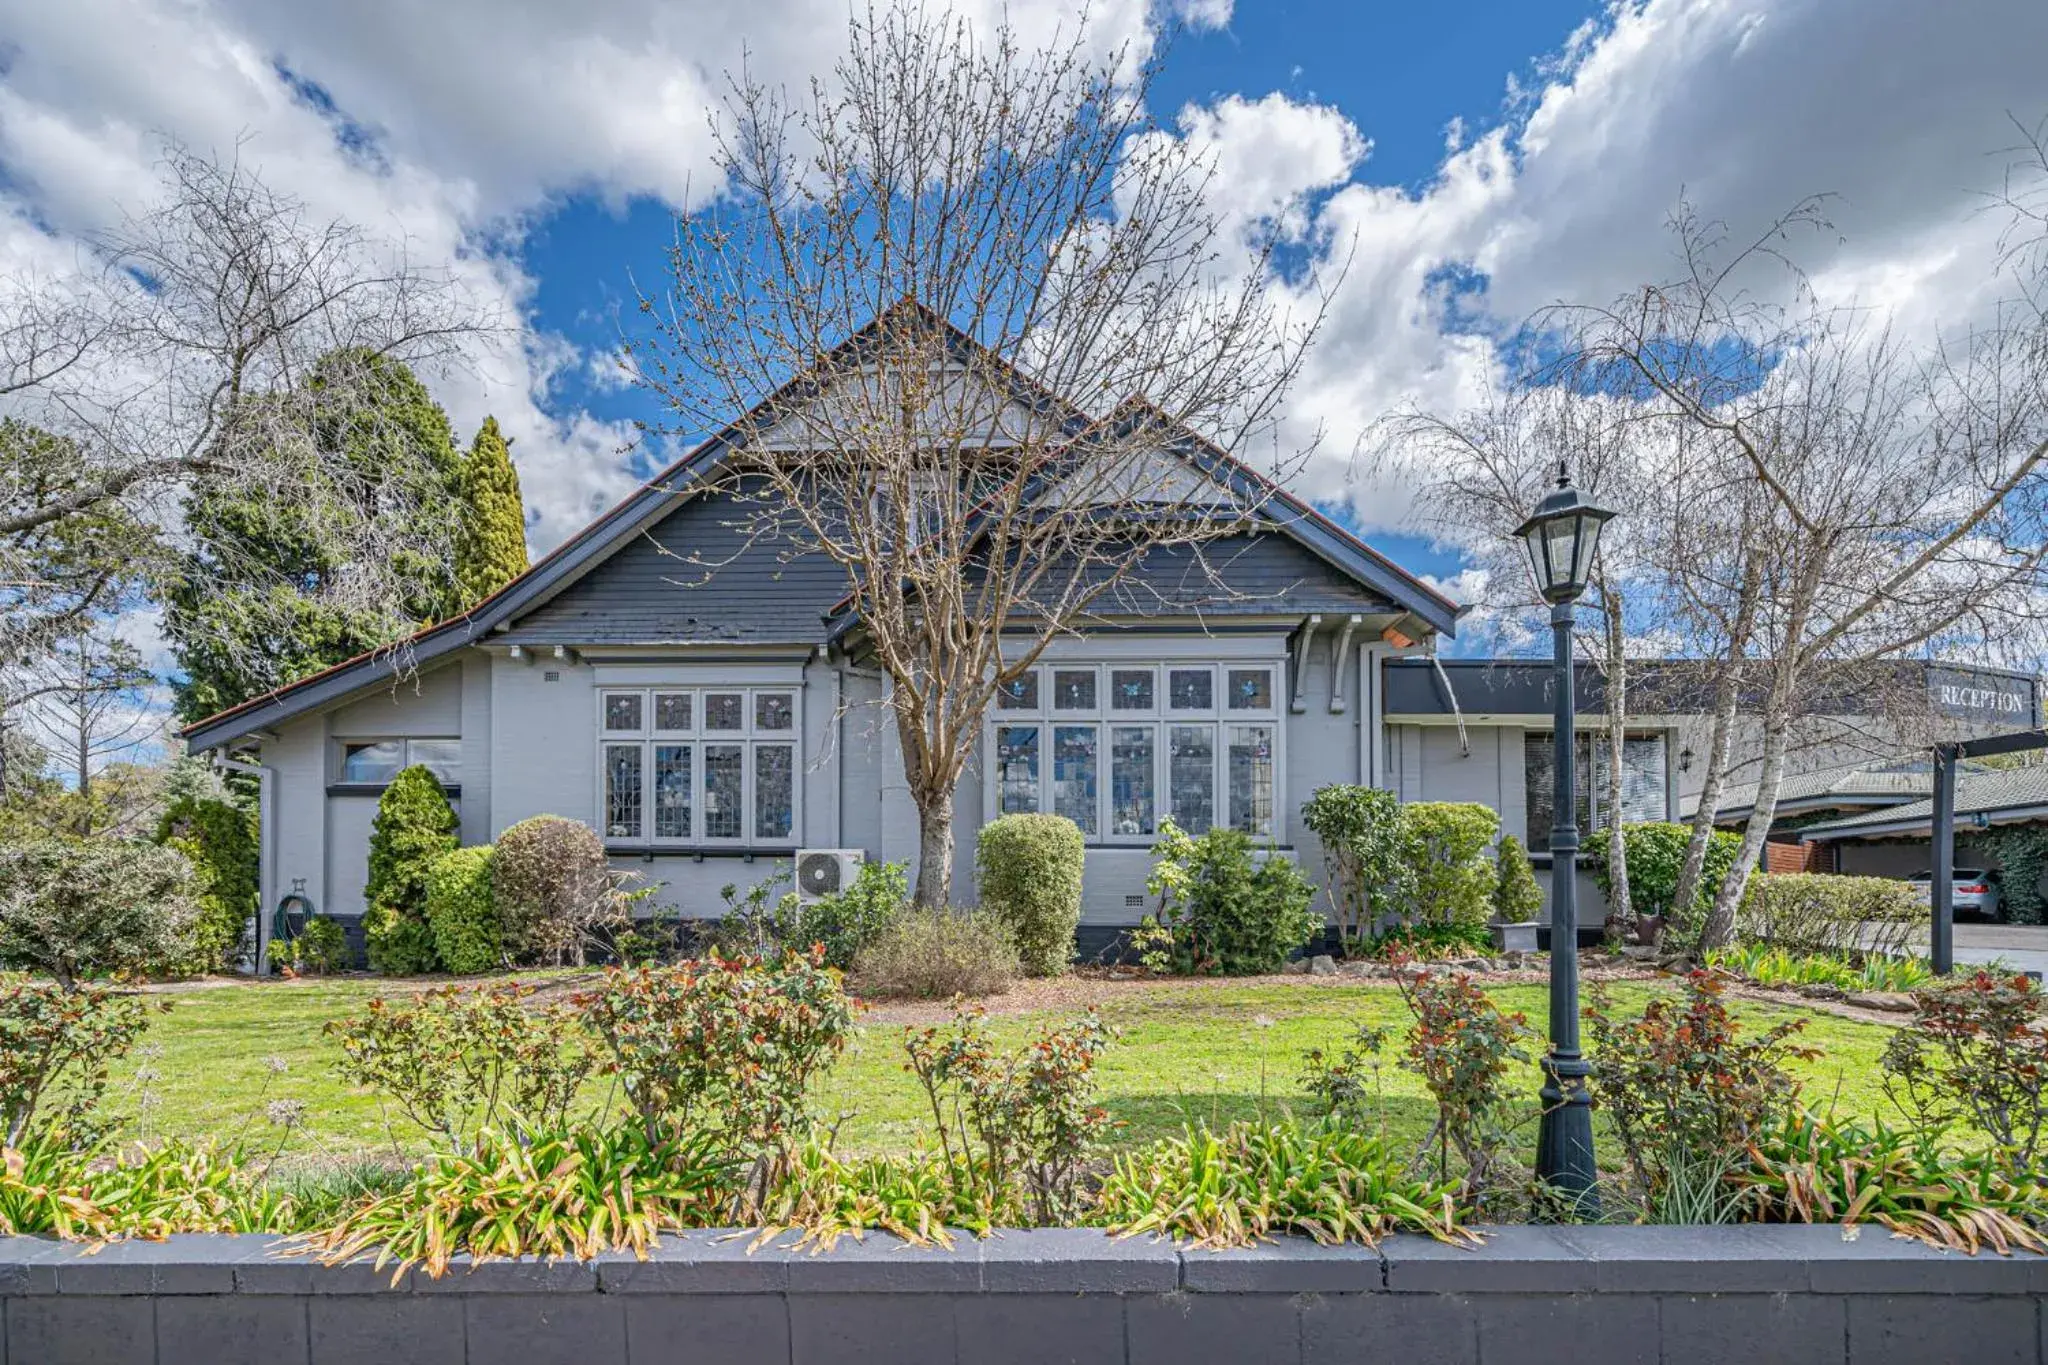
<point x="1400" y="72"/>
<point x="537" y="151"/>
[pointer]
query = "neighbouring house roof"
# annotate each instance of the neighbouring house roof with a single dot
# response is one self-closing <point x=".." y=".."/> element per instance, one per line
<point x="1861" y="784"/>
<point x="1983" y="798"/>
<point x="665" y="491"/>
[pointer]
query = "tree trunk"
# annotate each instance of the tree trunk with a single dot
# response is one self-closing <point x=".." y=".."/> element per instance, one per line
<point x="1727" y="697"/>
<point x="1619" y="906"/>
<point x="935" y="851"/>
<point x="1720" y="925"/>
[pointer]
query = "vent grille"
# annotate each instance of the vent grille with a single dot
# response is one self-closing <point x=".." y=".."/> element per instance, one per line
<point x="1134" y="902"/>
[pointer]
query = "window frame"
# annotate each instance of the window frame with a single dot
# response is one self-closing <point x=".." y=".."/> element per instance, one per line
<point x="1586" y="768"/>
<point x="405" y="759"/>
<point x="751" y="738"/>
<point x="1159" y="719"/>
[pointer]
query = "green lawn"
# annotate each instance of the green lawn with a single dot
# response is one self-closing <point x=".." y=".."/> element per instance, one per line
<point x="1213" y="1051"/>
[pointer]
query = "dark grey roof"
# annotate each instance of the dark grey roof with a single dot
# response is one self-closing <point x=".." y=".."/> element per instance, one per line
<point x="1999" y="797"/>
<point x="663" y="493"/>
<point x="1862" y="784"/>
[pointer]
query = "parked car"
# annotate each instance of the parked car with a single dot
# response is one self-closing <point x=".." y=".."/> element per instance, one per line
<point x="1976" y="893"/>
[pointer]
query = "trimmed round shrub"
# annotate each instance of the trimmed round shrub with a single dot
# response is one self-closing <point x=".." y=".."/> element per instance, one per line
<point x="414" y="826"/>
<point x="321" y="949"/>
<point x="1516" y="897"/>
<point x="937" y="954"/>
<point x="219" y="839"/>
<point x="77" y="908"/>
<point x="1029" y="870"/>
<point x="460" y="909"/>
<point x="550" y="880"/>
<point x="1445" y="842"/>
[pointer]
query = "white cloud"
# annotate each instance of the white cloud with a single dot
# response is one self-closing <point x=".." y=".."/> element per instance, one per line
<point x="1896" y="109"/>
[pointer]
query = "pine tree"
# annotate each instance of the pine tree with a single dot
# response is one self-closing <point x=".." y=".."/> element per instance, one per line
<point x="490" y="532"/>
<point x="358" y="552"/>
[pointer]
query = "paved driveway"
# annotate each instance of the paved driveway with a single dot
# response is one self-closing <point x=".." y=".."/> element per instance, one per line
<point x="2023" y="947"/>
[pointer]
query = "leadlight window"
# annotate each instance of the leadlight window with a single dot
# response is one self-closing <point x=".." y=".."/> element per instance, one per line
<point x="735" y="780"/>
<point x="1019" y="693"/>
<point x="1103" y="752"/>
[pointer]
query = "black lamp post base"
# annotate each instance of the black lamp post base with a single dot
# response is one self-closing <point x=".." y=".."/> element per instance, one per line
<point x="1564" y="1139"/>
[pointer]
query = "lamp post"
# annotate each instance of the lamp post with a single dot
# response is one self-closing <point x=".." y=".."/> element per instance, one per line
<point x="1561" y="536"/>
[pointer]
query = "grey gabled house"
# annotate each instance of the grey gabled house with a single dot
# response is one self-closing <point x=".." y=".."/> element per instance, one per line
<point x="711" y="729"/>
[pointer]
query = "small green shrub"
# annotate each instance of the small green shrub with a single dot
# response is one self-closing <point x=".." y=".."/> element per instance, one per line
<point x="1444" y="844"/>
<point x="724" y="1049"/>
<point x="1975" y="1055"/>
<point x="1427" y="943"/>
<point x="1247" y="1184"/>
<point x="648" y="941"/>
<point x="414" y="825"/>
<point x="460" y="1061"/>
<point x="1678" y="1081"/>
<point x="219" y="839"/>
<point x="1516" y="897"/>
<point x="78" y="908"/>
<point x="467" y="938"/>
<point x="56" y="1049"/>
<point x="1655" y="851"/>
<point x="321" y="949"/>
<point x="1822" y="912"/>
<point x="554" y="889"/>
<point x="938" y="954"/>
<point x="1225" y="911"/>
<point x="848" y="922"/>
<point x="1360" y="831"/>
<point x="1029" y="869"/>
<point x="1017" y="1128"/>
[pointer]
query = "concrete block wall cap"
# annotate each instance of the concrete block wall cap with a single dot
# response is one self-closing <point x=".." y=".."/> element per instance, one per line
<point x="713" y="1261"/>
<point x="528" y="1275"/>
<point x="183" y="1264"/>
<point x="1510" y="1259"/>
<point x="883" y="1264"/>
<point x="1292" y="1266"/>
<point x="1875" y="1261"/>
<point x="27" y="1265"/>
<point x="1077" y="1261"/>
<point x="1738" y="1259"/>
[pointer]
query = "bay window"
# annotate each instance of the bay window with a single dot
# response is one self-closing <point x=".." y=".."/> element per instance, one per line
<point x="1117" y="748"/>
<point x="698" y="765"/>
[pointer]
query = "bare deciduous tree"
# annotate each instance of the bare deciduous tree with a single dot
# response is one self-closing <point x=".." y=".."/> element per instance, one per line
<point x="935" y="268"/>
<point x="1897" y="503"/>
<point x="181" y="349"/>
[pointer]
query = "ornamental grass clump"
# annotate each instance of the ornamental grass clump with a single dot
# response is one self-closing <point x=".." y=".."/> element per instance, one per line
<point x="1251" y="1183"/>
<point x="1808" y="1169"/>
<point x="575" y="1193"/>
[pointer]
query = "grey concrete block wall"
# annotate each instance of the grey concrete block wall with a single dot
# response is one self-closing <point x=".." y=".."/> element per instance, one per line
<point x="1585" y="1295"/>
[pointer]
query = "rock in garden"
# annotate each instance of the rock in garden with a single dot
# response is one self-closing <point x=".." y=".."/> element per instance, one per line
<point x="1894" y="1001"/>
<point x="1295" y="966"/>
<point x="1322" y="964"/>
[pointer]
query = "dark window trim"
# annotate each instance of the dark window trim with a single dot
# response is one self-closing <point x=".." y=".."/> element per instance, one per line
<point x="451" y="789"/>
<point x="699" y="853"/>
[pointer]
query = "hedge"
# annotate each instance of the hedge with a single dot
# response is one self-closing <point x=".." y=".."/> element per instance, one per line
<point x="1445" y="845"/>
<point x="461" y="910"/>
<point x="1029" y="869"/>
<point x="1656" y="852"/>
<point x="1823" y="912"/>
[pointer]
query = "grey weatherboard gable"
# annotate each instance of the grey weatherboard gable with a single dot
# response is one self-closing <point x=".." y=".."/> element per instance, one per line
<point x="627" y="522"/>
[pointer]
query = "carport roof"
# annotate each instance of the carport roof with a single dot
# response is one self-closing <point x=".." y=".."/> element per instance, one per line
<point x="2009" y="797"/>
